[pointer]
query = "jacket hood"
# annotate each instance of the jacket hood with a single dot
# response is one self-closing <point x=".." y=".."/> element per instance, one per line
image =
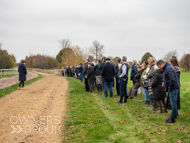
<point x="21" y="65"/>
<point x="177" y="69"/>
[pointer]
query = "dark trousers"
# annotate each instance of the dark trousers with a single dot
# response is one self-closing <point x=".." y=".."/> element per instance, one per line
<point x="86" y="85"/>
<point x="21" y="82"/>
<point x="123" y="91"/>
<point x="117" y="87"/>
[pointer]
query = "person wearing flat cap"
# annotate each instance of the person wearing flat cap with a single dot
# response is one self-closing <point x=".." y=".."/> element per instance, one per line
<point x="22" y="74"/>
<point x="108" y="73"/>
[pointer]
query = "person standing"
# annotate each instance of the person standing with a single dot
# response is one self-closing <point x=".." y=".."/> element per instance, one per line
<point x="116" y="71"/>
<point x="108" y="73"/>
<point x="134" y="71"/>
<point x="80" y="70"/>
<point x="90" y="76"/>
<point x="98" y="76"/>
<point x="172" y="85"/>
<point x="85" y="75"/>
<point x="22" y="74"/>
<point x="133" y="91"/>
<point x="123" y="77"/>
<point x="159" y="92"/>
<point x="101" y="68"/>
<point x="151" y="62"/>
<point x="173" y="61"/>
<point x="144" y="81"/>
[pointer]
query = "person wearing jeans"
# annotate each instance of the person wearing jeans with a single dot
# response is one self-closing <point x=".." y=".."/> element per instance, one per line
<point x="172" y="85"/>
<point x="106" y="86"/>
<point x="81" y="72"/>
<point x="108" y="73"/>
<point x="123" y="77"/>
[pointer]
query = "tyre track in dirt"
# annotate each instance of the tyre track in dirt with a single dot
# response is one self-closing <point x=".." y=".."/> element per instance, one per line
<point x="43" y="104"/>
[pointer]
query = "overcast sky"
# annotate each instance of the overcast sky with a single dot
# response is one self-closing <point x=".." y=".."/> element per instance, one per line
<point x="125" y="27"/>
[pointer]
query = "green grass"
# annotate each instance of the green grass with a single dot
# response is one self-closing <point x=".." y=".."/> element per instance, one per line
<point x="92" y="118"/>
<point x="14" y="87"/>
<point x="8" y="74"/>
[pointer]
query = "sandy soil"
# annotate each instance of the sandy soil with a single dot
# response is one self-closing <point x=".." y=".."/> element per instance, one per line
<point x="34" y="114"/>
<point x="6" y="82"/>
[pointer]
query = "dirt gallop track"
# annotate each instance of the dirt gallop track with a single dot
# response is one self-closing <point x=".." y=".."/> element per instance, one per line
<point x="34" y="114"/>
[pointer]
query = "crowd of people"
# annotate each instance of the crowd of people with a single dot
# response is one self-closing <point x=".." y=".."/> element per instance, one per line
<point x="155" y="77"/>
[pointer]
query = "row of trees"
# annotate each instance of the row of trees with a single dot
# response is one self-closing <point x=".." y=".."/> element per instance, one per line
<point x="6" y="60"/>
<point x="72" y="55"/>
<point x="41" y="61"/>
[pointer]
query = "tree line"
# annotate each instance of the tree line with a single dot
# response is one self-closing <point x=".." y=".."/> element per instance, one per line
<point x="70" y="55"/>
<point x="7" y="60"/>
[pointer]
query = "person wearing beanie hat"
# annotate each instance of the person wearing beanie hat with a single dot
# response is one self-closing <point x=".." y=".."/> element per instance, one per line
<point x="22" y="74"/>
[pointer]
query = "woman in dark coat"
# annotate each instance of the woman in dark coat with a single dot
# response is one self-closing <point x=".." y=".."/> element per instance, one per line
<point x="90" y="76"/>
<point x="174" y="63"/>
<point x="133" y="91"/>
<point x="22" y="74"/>
<point x="159" y="92"/>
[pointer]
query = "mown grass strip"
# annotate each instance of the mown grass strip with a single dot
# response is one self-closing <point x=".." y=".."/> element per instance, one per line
<point x="130" y="122"/>
<point x="14" y="87"/>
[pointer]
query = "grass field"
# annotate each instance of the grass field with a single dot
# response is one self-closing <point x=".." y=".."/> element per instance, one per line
<point x="15" y="86"/>
<point x="92" y="118"/>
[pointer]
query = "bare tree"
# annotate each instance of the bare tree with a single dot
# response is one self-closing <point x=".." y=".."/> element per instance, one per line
<point x="169" y="55"/>
<point x="65" y="43"/>
<point x="96" y="50"/>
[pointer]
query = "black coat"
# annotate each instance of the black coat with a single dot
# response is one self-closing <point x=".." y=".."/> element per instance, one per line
<point x="159" y="92"/>
<point x="81" y="69"/>
<point x="22" y="72"/>
<point x="90" y="73"/>
<point x="108" y="72"/>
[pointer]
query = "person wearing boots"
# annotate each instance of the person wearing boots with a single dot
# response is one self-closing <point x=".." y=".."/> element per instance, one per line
<point x="98" y="76"/>
<point x="172" y="85"/>
<point x="116" y="77"/>
<point x="159" y="92"/>
<point x="151" y="62"/>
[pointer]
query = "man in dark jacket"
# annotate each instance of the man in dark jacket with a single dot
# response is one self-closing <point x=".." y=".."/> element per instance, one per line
<point x="22" y="74"/>
<point x="108" y="73"/>
<point x="80" y="69"/>
<point x="85" y="75"/>
<point x="116" y="71"/>
<point x="171" y="83"/>
<point x="123" y="77"/>
<point x="90" y="76"/>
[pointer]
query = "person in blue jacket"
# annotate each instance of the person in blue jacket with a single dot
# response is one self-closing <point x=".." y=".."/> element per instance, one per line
<point x="134" y="71"/>
<point x="172" y="85"/>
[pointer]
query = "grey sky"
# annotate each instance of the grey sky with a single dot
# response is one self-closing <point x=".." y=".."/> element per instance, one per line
<point x="125" y="27"/>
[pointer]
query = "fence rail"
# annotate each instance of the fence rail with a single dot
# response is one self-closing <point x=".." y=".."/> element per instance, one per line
<point x="53" y="71"/>
<point x="8" y="72"/>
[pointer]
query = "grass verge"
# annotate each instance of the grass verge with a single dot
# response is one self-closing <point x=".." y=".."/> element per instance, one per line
<point x="93" y="118"/>
<point x="14" y="87"/>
